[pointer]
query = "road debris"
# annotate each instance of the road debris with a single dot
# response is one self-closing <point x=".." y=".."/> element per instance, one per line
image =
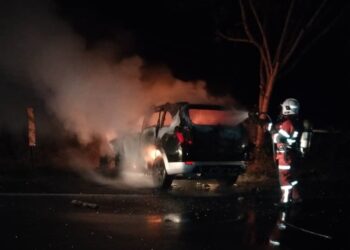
<point x="85" y="204"/>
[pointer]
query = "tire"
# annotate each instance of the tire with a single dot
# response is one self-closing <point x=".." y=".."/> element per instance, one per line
<point x="119" y="161"/>
<point x="106" y="167"/>
<point x="227" y="182"/>
<point x="160" y="177"/>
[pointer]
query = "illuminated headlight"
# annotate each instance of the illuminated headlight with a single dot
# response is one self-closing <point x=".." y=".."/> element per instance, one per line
<point x="156" y="153"/>
<point x="151" y="153"/>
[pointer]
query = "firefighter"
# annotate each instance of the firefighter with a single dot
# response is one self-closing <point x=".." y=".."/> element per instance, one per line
<point x="286" y="135"/>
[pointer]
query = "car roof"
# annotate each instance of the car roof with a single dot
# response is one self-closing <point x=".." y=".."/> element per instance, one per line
<point x="174" y="107"/>
<point x="190" y="105"/>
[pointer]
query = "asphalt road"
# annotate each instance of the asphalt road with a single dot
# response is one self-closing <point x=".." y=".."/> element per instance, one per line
<point x="49" y="211"/>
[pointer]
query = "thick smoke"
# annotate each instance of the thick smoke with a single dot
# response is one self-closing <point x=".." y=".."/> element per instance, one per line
<point x="94" y="93"/>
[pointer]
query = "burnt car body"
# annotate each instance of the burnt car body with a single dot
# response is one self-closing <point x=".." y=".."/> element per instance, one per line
<point x="189" y="141"/>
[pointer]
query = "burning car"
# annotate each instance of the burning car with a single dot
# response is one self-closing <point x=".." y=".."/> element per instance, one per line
<point x="188" y="141"/>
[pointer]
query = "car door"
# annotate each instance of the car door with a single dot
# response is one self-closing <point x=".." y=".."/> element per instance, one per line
<point x="150" y="128"/>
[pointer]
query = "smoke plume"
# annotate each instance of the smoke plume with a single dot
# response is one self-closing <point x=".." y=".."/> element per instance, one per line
<point x="96" y="94"/>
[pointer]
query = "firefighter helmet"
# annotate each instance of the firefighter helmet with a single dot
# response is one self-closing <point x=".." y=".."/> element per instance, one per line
<point x="290" y="106"/>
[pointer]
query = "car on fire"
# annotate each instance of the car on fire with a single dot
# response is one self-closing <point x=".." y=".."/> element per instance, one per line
<point x="188" y="141"/>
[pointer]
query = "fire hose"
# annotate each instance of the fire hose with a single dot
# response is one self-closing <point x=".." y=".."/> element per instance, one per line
<point x="308" y="231"/>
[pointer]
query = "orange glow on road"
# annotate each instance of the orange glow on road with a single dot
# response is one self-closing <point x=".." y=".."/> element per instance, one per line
<point x="154" y="219"/>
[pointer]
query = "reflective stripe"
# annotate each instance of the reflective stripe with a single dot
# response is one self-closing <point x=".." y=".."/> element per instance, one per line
<point x="275" y="243"/>
<point x="290" y="141"/>
<point x="284" y="167"/>
<point x="269" y="126"/>
<point x="294" y="183"/>
<point x="275" y="138"/>
<point x="295" y="134"/>
<point x="284" y="133"/>
<point x="283" y="216"/>
<point x="285" y="190"/>
<point x="176" y="168"/>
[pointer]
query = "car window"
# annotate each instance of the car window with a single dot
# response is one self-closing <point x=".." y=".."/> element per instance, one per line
<point x="152" y="121"/>
<point x="168" y="119"/>
<point x="211" y="117"/>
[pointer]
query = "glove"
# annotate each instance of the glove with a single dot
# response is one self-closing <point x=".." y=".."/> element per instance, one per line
<point x="254" y="116"/>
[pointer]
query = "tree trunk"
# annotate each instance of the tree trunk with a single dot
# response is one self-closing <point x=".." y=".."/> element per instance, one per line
<point x="264" y="101"/>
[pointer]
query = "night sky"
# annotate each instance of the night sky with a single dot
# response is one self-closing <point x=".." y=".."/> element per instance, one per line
<point x="182" y="35"/>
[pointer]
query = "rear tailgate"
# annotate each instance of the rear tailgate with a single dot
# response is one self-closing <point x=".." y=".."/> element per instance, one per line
<point x="217" y="134"/>
<point x="218" y="143"/>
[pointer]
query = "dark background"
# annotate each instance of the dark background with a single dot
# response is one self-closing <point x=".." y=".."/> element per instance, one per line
<point x="182" y="35"/>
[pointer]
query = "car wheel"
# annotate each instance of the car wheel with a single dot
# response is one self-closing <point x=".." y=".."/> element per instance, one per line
<point x="119" y="162"/>
<point x="160" y="177"/>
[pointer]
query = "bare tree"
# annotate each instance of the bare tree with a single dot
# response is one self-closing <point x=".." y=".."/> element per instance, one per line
<point x="276" y="52"/>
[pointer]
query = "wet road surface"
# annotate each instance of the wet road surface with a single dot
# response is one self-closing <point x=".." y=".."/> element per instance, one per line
<point x="189" y="216"/>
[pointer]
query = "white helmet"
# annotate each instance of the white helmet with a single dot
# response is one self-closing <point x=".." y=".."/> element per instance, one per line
<point x="290" y="106"/>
